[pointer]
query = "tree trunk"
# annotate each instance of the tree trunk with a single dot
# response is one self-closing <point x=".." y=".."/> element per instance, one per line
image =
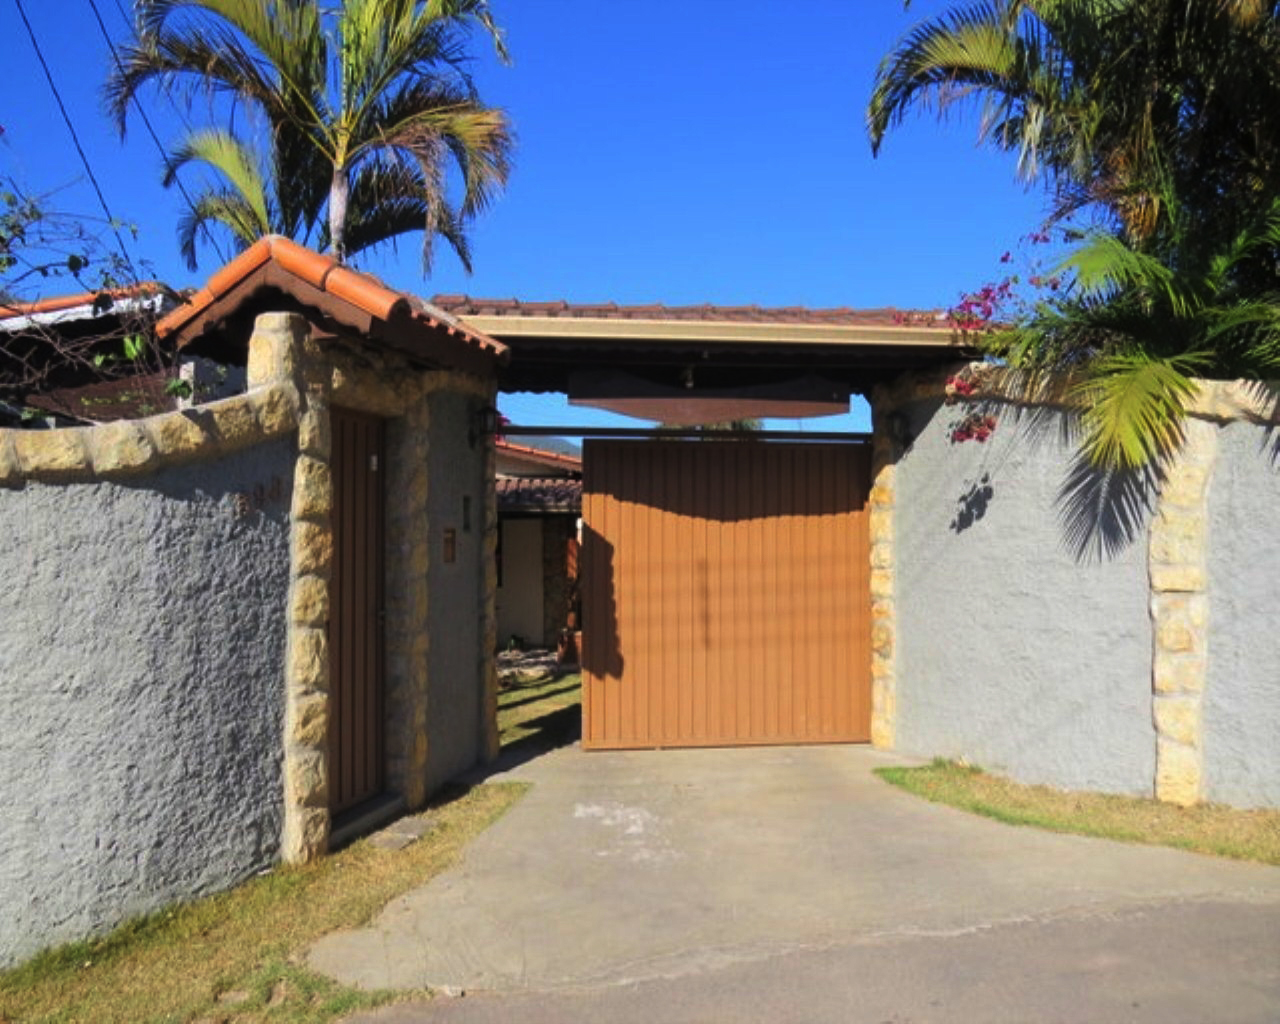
<point x="339" y="193"/>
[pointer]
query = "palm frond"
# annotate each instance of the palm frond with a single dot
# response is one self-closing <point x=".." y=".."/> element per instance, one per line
<point x="391" y="196"/>
<point x="217" y="208"/>
<point x="430" y="119"/>
<point x="236" y="163"/>
<point x="1134" y="408"/>
<point x="1103" y="266"/>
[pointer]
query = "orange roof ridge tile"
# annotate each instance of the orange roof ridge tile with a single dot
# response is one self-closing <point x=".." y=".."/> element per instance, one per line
<point x="465" y="306"/>
<point x="524" y="449"/>
<point x="57" y="303"/>
<point x="355" y="289"/>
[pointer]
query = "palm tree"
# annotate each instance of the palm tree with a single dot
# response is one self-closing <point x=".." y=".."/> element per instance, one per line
<point x="1161" y="118"/>
<point x="1139" y="327"/>
<point x="359" y="115"/>
<point x="1115" y="102"/>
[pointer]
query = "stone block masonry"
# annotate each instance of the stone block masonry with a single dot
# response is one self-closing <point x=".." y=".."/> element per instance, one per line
<point x="884" y="456"/>
<point x="283" y="353"/>
<point x="1180" y="614"/>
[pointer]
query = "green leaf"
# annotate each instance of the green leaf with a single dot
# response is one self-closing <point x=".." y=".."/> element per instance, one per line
<point x="134" y="346"/>
<point x="1134" y="408"/>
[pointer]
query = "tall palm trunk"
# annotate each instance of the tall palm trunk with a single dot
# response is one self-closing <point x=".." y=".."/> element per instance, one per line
<point x="339" y="194"/>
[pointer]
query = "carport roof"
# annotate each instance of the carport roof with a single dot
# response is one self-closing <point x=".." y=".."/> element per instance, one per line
<point x="726" y="345"/>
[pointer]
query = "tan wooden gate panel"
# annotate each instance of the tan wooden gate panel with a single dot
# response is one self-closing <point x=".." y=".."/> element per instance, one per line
<point x="356" y="757"/>
<point x="725" y="593"/>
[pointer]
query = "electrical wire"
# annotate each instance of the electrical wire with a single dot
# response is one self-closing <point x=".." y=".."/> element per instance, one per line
<point x="75" y="138"/>
<point x="164" y="155"/>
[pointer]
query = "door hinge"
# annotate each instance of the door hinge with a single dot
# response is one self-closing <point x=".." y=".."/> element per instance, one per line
<point x="373" y="463"/>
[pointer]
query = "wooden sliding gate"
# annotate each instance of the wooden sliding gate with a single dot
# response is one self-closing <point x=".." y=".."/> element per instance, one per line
<point x="725" y="593"/>
<point x="356" y="752"/>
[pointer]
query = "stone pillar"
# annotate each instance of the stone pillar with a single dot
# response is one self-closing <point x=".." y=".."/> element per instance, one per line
<point x="407" y="637"/>
<point x="1179" y="614"/>
<point x="884" y="455"/>
<point x="277" y="356"/>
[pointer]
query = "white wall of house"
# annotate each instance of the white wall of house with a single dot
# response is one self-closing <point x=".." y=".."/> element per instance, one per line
<point x="520" y="590"/>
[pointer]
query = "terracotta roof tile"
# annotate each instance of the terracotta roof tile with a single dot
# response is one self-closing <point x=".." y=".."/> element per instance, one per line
<point x="59" y="303"/>
<point x="466" y="305"/>
<point x="361" y="291"/>
<point x="539" y="494"/>
<point x="540" y="455"/>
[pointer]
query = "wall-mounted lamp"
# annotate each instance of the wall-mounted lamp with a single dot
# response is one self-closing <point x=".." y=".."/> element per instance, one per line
<point x="484" y="423"/>
<point x="899" y="428"/>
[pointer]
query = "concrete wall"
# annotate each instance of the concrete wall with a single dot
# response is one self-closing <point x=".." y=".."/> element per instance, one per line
<point x="456" y="501"/>
<point x="1012" y="652"/>
<point x="1116" y="638"/>
<point x="1242" y="684"/>
<point x="520" y="611"/>
<point x="141" y="690"/>
<point x="164" y="659"/>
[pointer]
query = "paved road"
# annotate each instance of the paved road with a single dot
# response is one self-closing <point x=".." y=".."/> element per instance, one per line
<point x="789" y="884"/>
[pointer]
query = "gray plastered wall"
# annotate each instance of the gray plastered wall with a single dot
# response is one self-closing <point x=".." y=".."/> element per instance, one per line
<point x="1011" y="652"/>
<point x="141" y="693"/>
<point x="455" y="503"/>
<point x="1241" y="704"/>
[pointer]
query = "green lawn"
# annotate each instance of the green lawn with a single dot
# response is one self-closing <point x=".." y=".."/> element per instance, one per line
<point x="1212" y="829"/>
<point x="236" y="957"/>
<point x="547" y="712"/>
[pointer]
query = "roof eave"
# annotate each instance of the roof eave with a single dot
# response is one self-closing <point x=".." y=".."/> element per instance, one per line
<point x="713" y="332"/>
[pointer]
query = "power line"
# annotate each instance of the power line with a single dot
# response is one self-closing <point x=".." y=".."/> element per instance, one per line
<point x="164" y="155"/>
<point x="102" y="200"/>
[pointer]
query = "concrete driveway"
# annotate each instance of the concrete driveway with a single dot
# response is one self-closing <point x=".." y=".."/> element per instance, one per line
<point x="779" y="884"/>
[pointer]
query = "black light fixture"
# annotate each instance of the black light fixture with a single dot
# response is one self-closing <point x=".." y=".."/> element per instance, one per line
<point x="484" y="423"/>
<point x="899" y="428"/>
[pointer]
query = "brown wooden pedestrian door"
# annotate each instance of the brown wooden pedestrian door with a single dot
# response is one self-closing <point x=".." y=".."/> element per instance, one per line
<point x="356" y="759"/>
<point x="725" y="593"/>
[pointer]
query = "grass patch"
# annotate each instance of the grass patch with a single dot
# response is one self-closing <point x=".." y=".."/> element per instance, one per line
<point x="236" y="957"/>
<point x="544" y="712"/>
<point x="1221" y="831"/>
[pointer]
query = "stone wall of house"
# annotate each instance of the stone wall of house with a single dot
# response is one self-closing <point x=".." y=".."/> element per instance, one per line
<point x="456" y="593"/>
<point x="438" y="674"/>
<point x="521" y="596"/>
<point x="146" y="569"/>
<point x="557" y="594"/>
<point x="1059" y="628"/>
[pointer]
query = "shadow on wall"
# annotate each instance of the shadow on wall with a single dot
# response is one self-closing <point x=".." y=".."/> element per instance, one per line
<point x="601" y="655"/>
<point x="1101" y="512"/>
<point x="1104" y="511"/>
<point x="1266" y="396"/>
<point x="971" y="506"/>
<point x="685" y="478"/>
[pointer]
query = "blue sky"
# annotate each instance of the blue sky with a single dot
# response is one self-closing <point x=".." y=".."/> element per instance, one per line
<point x="679" y="151"/>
